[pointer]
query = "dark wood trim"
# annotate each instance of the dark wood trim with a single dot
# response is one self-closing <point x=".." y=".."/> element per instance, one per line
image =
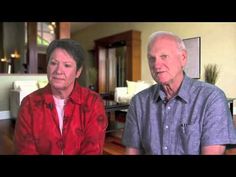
<point x="32" y="58"/>
<point x="133" y="42"/>
<point x="62" y="31"/>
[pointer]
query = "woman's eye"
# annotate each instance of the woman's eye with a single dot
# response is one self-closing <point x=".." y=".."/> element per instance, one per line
<point x="67" y="65"/>
<point x="53" y="63"/>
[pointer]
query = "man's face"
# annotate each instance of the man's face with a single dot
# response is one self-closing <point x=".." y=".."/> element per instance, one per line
<point x="166" y="60"/>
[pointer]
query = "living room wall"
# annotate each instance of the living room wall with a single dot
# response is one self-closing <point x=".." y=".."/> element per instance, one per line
<point x="218" y="44"/>
<point x="7" y="84"/>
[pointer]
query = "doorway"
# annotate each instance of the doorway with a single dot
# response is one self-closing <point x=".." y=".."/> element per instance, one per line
<point x="119" y="59"/>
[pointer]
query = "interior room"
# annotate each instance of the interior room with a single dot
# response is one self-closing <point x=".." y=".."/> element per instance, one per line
<point x="116" y="58"/>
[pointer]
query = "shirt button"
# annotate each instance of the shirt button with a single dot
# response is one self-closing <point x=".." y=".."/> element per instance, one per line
<point x="168" y="107"/>
<point x="165" y="148"/>
<point x="60" y="143"/>
<point x="167" y="126"/>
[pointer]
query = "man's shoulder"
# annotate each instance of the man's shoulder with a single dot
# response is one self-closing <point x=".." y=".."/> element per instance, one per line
<point x="146" y="94"/>
<point x="204" y="86"/>
<point x="201" y="84"/>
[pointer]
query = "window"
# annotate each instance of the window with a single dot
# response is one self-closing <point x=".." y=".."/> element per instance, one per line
<point x="45" y="33"/>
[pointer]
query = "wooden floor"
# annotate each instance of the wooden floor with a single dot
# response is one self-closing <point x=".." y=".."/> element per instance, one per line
<point x="6" y="137"/>
<point x="112" y="145"/>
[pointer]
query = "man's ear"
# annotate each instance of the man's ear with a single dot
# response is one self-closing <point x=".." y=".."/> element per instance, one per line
<point x="183" y="57"/>
<point x="79" y="72"/>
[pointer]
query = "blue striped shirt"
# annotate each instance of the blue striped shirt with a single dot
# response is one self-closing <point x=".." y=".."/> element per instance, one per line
<point x="197" y="116"/>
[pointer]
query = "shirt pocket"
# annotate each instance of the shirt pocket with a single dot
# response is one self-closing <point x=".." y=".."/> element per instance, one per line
<point x="188" y="139"/>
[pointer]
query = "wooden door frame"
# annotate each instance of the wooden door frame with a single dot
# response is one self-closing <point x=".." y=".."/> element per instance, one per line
<point x="62" y="31"/>
<point x="132" y="39"/>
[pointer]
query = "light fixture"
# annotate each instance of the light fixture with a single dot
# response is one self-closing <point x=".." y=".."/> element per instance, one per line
<point x="10" y="61"/>
<point x="15" y="55"/>
<point x="4" y="59"/>
<point x="52" y="27"/>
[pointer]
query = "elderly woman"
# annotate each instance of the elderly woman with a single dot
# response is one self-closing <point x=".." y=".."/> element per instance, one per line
<point x="63" y="117"/>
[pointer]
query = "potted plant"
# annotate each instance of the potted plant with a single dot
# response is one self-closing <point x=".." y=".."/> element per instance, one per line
<point x="211" y="73"/>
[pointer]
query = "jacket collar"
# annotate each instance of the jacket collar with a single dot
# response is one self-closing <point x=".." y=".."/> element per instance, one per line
<point x="75" y="95"/>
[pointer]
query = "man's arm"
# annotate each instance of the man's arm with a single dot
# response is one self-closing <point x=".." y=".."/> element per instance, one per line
<point x="213" y="150"/>
<point x="218" y="128"/>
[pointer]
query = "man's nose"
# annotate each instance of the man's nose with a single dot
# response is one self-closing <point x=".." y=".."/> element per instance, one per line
<point x="158" y="63"/>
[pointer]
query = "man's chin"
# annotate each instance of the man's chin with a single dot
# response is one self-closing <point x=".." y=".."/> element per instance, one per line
<point x="163" y="81"/>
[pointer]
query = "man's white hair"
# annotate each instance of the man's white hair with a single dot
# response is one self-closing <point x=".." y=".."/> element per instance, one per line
<point x="160" y="34"/>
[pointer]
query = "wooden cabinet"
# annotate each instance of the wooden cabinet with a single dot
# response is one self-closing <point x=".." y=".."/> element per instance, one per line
<point x="107" y="76"/>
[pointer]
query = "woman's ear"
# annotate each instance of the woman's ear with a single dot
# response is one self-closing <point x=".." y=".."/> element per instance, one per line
<point x="79" y="72"/>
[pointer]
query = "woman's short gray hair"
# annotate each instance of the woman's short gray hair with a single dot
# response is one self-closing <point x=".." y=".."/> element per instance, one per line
<point x="72" y="47"/>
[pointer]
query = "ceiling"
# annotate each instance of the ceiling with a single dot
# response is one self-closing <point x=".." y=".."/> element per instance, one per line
<point x="76" y="26"/>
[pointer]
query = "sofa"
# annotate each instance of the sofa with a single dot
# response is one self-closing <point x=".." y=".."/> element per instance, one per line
<point x="125" y="94"/>
<point x="19" y="90"/>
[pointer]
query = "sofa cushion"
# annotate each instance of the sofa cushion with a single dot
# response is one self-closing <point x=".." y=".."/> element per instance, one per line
<point x="120" y="92"/>
<point x="124" y="94"/>
<point x="141" y="86"/>
<point x="131" y="87"/>
<point x="42" y="83"/>
<point x="136" y="87"/>
<point x="30" y="85"/>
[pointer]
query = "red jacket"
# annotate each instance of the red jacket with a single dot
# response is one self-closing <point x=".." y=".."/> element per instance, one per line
<point x="84" y="125"/>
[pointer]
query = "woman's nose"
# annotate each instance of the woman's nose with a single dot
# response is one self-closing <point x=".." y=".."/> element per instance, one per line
<point x="59" y="68"/>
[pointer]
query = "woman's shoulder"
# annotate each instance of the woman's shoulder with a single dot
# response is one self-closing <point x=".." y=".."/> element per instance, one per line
<point x="36" y="95"/>
<point x="86" y="94"/>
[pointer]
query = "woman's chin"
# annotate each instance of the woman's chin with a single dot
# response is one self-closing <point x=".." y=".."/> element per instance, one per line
<point x="58" y="86"/>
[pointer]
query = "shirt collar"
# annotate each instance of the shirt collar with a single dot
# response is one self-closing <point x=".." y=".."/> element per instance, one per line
<point x="183" y="92"/>
<point x="75" y="95"/>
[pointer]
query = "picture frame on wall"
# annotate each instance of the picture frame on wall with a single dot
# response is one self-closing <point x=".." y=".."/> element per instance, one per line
<point x="193" y="66"/>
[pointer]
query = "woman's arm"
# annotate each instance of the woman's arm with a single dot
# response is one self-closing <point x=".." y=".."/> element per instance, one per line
<point x="23" y="139"/>
<point x="95" y="129"/>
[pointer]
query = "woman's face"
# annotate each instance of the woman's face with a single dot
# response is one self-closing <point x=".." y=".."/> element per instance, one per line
<point x="61" y="70"/>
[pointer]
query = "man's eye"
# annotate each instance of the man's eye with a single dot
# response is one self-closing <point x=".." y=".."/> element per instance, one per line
<point x="151" y="58"/>
<point x="164" y="56"/>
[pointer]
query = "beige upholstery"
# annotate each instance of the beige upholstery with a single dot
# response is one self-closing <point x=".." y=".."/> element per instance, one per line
<point x="19" y="90"/>
<point x="124" y="94"/>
